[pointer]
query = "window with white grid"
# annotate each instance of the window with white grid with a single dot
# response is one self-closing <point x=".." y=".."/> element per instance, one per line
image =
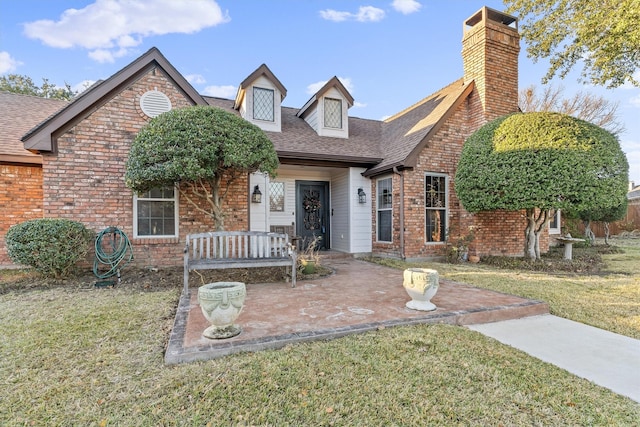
<point x="384" y="199"/>
<point x="156" y="213"/>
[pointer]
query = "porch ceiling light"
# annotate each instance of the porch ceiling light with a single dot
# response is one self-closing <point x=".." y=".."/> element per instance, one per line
<point x="362" y="196"/>
<point x="256" y="196"/>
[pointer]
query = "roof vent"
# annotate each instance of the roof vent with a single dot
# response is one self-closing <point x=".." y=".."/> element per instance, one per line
<point x="154" y="103"/>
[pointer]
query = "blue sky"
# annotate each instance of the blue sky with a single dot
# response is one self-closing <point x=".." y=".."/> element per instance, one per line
<point x="389" y="54"/>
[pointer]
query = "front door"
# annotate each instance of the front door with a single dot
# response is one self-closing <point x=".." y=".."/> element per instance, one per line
<point x="312" y="212"/>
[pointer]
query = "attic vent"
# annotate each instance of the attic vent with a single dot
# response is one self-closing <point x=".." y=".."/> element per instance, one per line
<point x="154" y="103"/>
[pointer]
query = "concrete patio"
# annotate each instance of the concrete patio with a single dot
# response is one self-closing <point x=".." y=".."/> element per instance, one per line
<point x="358" y="297"/>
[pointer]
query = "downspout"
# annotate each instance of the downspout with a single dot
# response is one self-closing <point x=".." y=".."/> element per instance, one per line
<point x="395" y="170"/>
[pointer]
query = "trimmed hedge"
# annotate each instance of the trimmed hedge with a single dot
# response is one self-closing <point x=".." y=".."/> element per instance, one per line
<point x="51" y="246"/>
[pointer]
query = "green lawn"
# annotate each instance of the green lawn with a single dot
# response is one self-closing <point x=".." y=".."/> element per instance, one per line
<point x="95" y="357"/>
<point x="610" y="300"/>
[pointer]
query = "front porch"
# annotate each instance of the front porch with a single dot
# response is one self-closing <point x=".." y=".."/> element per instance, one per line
<point x="358" y="297"/>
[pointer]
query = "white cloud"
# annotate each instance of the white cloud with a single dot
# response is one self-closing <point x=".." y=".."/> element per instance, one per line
<point x="370" y="14"/>
<point x="7" y="63"/>
<point x="364" y="14"/>
<point x="334" y="15"/>
<point x="406" y="7"/>
<point x="112" y="28"/>
<point x="228" y="91"/>
<point x="315" y="87"/>
<point x="357" y="104"/>
<point x="195" y="79"/>
<point x="635" y="101"/>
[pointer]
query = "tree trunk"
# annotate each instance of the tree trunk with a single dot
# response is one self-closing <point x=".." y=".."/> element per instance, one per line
<point x="529" y="234"/>
<point x="535" y="225"/>
<point x="606" y="233"/>
<point x="588" y="232"/>
<point x="195" y="193"/>
<point x="216" y="197"/>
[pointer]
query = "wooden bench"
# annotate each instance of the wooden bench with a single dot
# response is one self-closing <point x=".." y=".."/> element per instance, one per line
<point x="238" y="249"/>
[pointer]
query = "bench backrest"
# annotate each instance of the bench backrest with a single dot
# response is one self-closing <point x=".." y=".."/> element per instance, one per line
<point x="237" y="245"/>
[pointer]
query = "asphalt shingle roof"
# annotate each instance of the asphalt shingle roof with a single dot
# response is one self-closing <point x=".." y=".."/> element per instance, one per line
<point x="377" y="145"/>
<point x="18" y="114"/>
<point x="298" y="139"/>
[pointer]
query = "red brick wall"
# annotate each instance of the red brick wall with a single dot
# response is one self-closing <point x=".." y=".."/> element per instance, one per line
<point x="490" y="54"/>
<point x="20" y="199"/>
<point x="490" y="57"/>
<point x="84" y="180"/>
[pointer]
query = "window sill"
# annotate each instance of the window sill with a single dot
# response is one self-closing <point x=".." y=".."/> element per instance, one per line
<point x="154" y="240"/>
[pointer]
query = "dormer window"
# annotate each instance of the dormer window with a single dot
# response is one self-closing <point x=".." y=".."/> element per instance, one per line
<point x="263" y="104"/>
<point x="326" y="111"/>
<point x="333" y="113"/>
<point x="259" y="99"/>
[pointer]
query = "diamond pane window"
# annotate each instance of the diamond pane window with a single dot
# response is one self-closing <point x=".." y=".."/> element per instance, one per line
<point x="263" y="104"/>
<point x="276" y="196"/>
<point x="333" y="113"/>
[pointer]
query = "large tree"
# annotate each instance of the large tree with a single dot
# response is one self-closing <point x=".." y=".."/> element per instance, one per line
<point x="603" y="36"/>
<point x="197" y="149"/>
<point x="583" y="105"/>
<point x="538" y="162"/>
<point x="24" y="85"/>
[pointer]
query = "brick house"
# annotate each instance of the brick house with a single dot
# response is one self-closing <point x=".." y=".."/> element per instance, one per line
<point x="366" y="186"/>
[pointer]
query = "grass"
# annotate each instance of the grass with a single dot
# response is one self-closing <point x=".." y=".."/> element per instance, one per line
<point x="608" y="300"/>
<point x="85" y="356"/>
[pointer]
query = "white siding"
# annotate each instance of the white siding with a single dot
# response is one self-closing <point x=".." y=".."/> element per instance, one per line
<point x="312" y="120"/>
<point x="360" y="214"/>
<point x="340" y="206"/>
<point x="258" y="211"/>
<point x="350" y="224"/>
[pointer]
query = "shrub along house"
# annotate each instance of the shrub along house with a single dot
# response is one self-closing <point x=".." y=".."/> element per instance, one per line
<point x="365" y="186"/>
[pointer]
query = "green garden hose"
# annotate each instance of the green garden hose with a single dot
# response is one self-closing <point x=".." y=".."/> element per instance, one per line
<point x="112" y="252"/>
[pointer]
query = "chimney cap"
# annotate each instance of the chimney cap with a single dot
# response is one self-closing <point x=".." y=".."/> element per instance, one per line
<point x="486" y="13"/>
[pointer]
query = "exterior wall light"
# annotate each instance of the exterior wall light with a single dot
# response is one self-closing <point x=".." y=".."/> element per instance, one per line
<point x="362" y="196"/>
<point x="256" y="196"/>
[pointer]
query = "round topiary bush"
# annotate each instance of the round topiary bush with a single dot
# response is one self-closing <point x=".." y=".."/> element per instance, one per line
<point x="51" y="246"/>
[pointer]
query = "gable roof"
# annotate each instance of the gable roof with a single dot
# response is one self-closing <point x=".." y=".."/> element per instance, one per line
<point x="407" y="133"/>
<point x="380" y="146"/>
<point x="298" y="143"/>
<point x="42" y="137"/>
<point x="18" y="114"/>
<point x="262" y="70"/>
<point x="333" y="82"/>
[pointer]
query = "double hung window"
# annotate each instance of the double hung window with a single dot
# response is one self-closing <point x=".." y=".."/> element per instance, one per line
<point x="156" y="213"/>
<point x="385" y="209"/>
<point x="435" y="208"/>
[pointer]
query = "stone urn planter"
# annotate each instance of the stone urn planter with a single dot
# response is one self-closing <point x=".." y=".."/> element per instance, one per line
<point x="421" y="284"/>
<point x="221" y="304"/>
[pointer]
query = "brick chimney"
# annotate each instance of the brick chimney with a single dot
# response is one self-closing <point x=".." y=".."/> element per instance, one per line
<point x="490" y="47"/>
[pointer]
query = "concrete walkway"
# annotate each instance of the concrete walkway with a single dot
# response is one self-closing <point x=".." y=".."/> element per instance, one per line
<point x="607" y="359"/>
